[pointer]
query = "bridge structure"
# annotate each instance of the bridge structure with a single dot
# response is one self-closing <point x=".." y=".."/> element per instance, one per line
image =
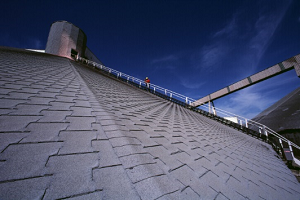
<point x="282" y="67"/>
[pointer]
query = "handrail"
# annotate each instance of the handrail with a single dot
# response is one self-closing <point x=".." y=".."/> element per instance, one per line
<point x="242" y="121"/>
<point x="171" y="93"/>
<point x="246" y="122"/>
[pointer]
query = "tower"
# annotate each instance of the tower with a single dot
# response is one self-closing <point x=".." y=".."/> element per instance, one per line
<point x="66" y="40"/>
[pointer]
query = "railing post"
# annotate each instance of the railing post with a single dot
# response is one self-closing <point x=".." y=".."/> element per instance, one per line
<point x="140" y="84"/>
<point x="291" y="149"/>
<point x="127" y="79"/>
<point x="154" y="89"/>
<point x="281" y="146"/>
<point x="170" y="96"/>
<point x="265" y="132"/>
<point x="186" y="100"/>
<point x="165" y="91"/>
<point x="246" y="123"/>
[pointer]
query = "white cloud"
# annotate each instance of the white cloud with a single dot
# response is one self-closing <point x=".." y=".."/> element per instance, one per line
<point x="247" y="103"/>
<point x="229" y="30"/>
<point x="251" y="101"/>
<point x="265" y="27"/>
<point x="169" y="58"/>
<point x="244" y="42"/>
<point x="189" y="84"/>
<point x="210" y="57"/>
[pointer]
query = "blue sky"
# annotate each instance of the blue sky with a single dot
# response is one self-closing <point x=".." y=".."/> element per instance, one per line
<point x="191" y="47"/>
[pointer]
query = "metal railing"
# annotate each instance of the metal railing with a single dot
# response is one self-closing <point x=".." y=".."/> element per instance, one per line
<point x="242" y="123"/>
<point x="141" y="83"/>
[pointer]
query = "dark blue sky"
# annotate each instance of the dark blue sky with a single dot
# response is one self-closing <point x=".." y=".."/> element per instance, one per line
<point x="191" y="47"/>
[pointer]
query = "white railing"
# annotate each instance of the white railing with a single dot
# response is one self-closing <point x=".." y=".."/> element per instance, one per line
<point x="248" y="123"/>
<point x="154" y="87"/>
<point x="242" y="121"/>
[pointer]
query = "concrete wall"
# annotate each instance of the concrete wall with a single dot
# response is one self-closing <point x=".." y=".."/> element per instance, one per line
<point x="63" y="37"/>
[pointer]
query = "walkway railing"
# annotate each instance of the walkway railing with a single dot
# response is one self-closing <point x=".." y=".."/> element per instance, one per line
<point x="141" y="83"/>
<point x="242" y="123"/>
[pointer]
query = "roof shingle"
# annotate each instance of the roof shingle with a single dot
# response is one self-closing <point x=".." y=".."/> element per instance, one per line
<point x="69" y="132"/>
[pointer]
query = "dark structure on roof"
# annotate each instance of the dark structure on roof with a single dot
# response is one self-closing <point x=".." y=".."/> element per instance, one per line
<point x="67" y="40"/>
<point x="284" y="116"/>
<point x="69" y="132"/>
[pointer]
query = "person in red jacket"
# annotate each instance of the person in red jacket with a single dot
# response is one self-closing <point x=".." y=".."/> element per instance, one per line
<point x="147" y="82"/>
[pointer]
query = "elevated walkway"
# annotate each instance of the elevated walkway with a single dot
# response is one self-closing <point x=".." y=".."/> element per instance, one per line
<point x="287" y="65"/>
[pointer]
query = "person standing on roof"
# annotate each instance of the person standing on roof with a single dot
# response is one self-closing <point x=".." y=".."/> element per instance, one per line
<point x="147" y="82"/>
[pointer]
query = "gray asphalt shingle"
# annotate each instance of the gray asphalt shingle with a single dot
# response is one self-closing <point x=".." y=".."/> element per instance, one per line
<point x="69" y="132"/>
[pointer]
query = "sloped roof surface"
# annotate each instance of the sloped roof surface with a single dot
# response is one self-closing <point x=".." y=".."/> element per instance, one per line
<point x="284" y="114"/>
<point x="68" y="132"/>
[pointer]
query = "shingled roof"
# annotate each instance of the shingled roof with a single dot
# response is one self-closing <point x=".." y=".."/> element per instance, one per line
<point x="284" y="114"/>
<point x="69" y="132"/>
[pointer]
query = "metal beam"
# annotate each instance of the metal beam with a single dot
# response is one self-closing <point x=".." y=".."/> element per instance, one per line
<point x="289" y="64"/>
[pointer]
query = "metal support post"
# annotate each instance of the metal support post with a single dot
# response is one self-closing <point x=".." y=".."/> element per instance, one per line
<point x="291" y="149"/>
<point x="281" y="146"/>
<point x="165" y="92"/>
<point x="265" y="132"/>
<point x="154" y="90"/>
<point x="213" y="108"/>
<point x="246" y="123"/>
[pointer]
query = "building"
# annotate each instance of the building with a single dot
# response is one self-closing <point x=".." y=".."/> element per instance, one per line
<point x="67" y="40"/>
<point x="70" y="132"/>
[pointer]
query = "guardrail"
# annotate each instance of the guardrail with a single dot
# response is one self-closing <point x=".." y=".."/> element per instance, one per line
<point x="241" y="123"/>
<point x="140" y="82"/>
<point x="244" y="123"/>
